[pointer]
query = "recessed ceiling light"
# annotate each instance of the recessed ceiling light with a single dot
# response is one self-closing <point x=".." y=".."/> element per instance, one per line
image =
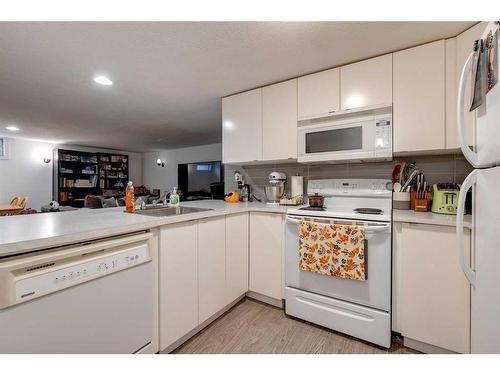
<point x="12" y="128"/>
<point x="103" y="80"/>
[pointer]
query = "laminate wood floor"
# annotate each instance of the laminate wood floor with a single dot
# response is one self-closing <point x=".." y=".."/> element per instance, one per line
<point x="253" y="327"/>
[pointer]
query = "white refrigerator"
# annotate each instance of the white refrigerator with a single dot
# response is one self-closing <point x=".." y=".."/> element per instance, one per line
<point x="483" y="269"/>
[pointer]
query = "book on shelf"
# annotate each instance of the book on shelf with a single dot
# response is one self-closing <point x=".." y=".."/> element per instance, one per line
<point x="90" y="170"/>
<point x="65" y="196"/>
<point x="118" y="159"/>
<point x="91" y="182"/>
<point x="66" y="182"/>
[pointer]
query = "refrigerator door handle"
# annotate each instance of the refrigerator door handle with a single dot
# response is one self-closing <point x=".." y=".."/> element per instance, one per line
<point x="470" y="155"/>
<point x="467" y="270"/>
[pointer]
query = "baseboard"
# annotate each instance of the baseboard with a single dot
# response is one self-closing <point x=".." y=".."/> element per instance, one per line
<point x="424" y="347"/>
<point x="200" y="327"/>
<point x="262" y="298"/>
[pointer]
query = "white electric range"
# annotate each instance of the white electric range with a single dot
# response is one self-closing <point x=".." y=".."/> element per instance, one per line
<point x="358" y="308"/>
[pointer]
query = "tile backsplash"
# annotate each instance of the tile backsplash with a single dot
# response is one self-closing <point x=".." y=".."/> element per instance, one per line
<point x="437" y="168"/>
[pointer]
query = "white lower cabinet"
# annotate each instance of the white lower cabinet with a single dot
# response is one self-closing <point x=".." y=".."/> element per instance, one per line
<point x="211" y="266"/>
<point x="266" y="253"/>
<point x="203" y="268"/>
<point x="236" y="256"/>
<point x="178" y="281"/>
<point x="432" y="296"/>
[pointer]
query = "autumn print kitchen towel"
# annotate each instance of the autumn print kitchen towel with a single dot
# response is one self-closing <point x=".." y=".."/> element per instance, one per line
<point x="332" y="249"/>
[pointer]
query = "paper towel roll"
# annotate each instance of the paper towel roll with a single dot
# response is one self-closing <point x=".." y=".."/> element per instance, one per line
<point x="296" y="186"/>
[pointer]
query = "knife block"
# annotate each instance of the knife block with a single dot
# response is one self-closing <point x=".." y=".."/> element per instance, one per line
<point x="420" y="205"/>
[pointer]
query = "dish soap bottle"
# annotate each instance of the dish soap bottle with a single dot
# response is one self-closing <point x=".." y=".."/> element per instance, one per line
<point x="129" y="198"/>
<point x="174" y="198"/>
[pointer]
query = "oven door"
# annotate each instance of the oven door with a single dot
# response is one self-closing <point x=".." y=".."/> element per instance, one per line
<point x="374" y="292"/>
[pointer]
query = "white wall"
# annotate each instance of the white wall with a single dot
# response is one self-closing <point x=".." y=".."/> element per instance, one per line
<point x="25" y="173"/>
<point x="155" y="177"/>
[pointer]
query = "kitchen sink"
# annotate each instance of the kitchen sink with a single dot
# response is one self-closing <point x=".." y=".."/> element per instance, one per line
<point x="169" y="211"/>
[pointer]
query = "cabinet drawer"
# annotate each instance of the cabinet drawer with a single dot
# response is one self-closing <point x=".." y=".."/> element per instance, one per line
<point x="356" y="320"/>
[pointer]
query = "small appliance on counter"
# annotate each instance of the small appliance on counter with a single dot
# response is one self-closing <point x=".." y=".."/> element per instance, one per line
<point x="276" y="188"/>
<point x="243" y="189"/>
<point x="445" y="198"/>
<point x="296" y="196"/>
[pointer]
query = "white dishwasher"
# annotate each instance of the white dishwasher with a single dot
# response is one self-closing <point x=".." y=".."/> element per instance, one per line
<point x="95" y="297"/>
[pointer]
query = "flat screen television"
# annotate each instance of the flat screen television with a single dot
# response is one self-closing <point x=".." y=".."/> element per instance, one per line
<point x="201" y="180"/>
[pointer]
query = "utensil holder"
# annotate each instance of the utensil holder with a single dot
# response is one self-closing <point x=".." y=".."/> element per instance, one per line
<point x="401" y="200"/>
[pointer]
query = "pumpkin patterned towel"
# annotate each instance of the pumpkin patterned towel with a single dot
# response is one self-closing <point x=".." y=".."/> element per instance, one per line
<point x="332" y="249"/>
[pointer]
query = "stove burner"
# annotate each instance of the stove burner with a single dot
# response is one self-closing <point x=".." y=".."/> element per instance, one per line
<point x="313" y="208"/>
<point x="366" y="210"/>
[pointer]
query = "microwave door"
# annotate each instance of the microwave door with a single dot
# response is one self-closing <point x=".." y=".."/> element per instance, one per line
<point x="334" y="140"/>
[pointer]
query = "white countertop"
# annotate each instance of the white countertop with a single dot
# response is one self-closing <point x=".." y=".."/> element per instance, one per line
<point x="32" y="232"/>
<point x="410" y="216"/>
<point x="21" y="233"/>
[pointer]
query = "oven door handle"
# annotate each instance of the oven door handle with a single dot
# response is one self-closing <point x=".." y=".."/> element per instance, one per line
<point x="366" y="228"/>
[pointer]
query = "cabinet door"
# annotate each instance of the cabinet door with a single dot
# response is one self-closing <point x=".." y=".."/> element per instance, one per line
<point x="319" y="94"/>
<point x="279" y="121"/>
<point x="451" y="92"/>
<point x="266" y="231"/>
<point x="178" y="281"/>
<point x="419" y="98"/>
<point x="236" y="256"/>
<point x="367" y="83"/>
<point x="211" y="266"/>
<point x="242" y="127"/>
<point x="464" y="43"/>
<point x="435" y="295"/>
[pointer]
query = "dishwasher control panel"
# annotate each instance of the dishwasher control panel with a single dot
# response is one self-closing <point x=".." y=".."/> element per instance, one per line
<point x="51" y="281"/>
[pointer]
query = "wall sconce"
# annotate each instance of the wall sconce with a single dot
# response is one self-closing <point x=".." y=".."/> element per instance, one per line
<point x="160" y="163"/>
<point x="47" y="160"/>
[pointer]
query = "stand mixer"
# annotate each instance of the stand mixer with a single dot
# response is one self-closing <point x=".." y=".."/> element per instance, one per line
<point x="276" y="188"/>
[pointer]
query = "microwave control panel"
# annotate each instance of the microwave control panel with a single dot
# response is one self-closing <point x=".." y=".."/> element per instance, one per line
<point x="51" y="281"/>
<point x="383" y="135"/>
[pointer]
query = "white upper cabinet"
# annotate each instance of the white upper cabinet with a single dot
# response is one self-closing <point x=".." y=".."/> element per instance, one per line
<point x="451" y="92"/>
<point x="279" y="121"/>
<point x="419" y="98"/>
<point x="463" y="47"/>
<point x="366" y="83"/>
<point x="242" y="127"/>
<point x="319" y="94"/>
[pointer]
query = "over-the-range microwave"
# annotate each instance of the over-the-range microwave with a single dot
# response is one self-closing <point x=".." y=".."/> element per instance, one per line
<point x="348" y="139"/>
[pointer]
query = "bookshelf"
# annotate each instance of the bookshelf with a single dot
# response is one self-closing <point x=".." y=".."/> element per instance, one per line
<point x="113" y="174"/>
<point x="79" y="173"/>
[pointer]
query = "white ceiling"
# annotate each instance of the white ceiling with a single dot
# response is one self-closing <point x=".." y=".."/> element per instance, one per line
<point x="168" y="76"/>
